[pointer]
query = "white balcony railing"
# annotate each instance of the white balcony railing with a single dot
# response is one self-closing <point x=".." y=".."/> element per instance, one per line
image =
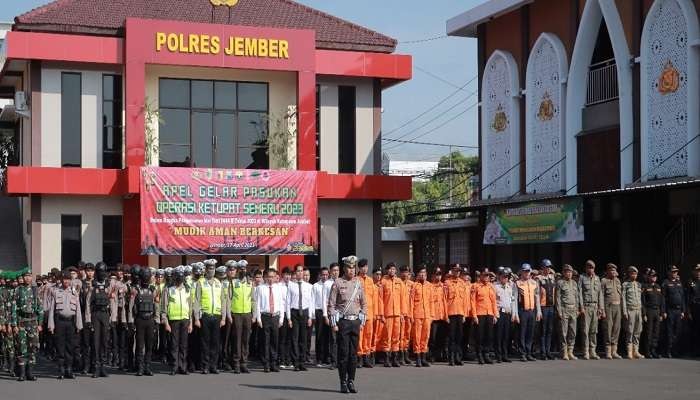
<point x="602" y="83"/>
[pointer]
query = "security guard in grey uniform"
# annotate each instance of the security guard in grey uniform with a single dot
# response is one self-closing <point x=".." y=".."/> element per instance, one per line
<point x="632" y="311"/>
<point x="592" y="309"/>
<point x="612" y="298"/>
<point x="65" y="321"/>
<point x="568" y="305"/>
<point x="347" y="310"/>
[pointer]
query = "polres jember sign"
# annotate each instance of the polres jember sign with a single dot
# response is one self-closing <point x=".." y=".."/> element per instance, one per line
<point x="236" y="46"/>
<point x="215" y="211"/>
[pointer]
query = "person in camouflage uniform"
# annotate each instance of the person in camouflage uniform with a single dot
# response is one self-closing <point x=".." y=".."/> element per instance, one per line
<point x="8" y="342"/>
<point x="3" y="323"/>
<point x="26" y="319"/>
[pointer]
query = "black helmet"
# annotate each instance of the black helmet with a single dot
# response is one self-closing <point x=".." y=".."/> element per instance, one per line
<point x="146" y="276"/>
<point x="135" y="270"/>
<point x="101" y="267"/>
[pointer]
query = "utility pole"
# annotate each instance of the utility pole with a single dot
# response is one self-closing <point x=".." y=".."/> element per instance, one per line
<point x="451" y="176"/>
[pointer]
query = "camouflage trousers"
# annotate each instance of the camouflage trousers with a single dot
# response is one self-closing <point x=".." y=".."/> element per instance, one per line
<point x="7" y="346"/>
<point x="27" y="342"/>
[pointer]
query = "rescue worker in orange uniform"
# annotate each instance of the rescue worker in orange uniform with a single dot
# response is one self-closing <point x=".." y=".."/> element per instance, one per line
<point x="407" y="321"/>
<point x="378" y="313"/>
<point x="484" y="313"/>
<point x="438" y="327"/>
<point x="365" y="348"/>
<point x="421" y="313"/>
<point x="457" y="295"/>
<point x="394" y="311"/>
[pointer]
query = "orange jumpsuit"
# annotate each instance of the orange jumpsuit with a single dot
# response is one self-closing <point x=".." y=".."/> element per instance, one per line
<point x="439" y="304"/>
<point x="483" y="300"/>
<point x="458" y="297"/>
<point x="364" y="346"/>
<point x="407" y="323"/>
<point x="422" y="305"/>
<point x="378" y="318"/>
<point x="394" y="309"/>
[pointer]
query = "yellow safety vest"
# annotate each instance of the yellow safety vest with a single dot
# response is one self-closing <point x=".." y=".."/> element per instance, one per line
<point x="178" y="303"/>
<point x="211" y="297"/>
<point x="241" y="297"/>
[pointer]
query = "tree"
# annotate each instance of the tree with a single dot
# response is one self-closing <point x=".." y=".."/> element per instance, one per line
<point x="454" y="171"/>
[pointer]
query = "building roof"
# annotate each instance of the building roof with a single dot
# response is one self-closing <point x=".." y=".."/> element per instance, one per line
<point x="465" y="24"/>
<point x="108" y="18"/>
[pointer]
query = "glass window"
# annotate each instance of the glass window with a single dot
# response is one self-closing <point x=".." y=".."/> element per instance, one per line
<point x="346" y="129"/>
<point x="174" y="127"/>
<point x="174" y="93"/>
<point x="252" y="129"/>
<point x="252" y="96"/>
<point x="459" y="247"/>
<point x="202" y="146"/>
<point x="112" y="239"/>
<point x="346" y="237"/>
<point x="225" y="95"/>
<point x="71" y="115"/>
<point x="202" y="94"/>
<point x="71" y="242"/>
<point x="225" y="129"/>
<point x="112" y="121"/>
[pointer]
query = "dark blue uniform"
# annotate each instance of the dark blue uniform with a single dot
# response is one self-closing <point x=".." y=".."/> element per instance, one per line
<point x="674" y="299"/>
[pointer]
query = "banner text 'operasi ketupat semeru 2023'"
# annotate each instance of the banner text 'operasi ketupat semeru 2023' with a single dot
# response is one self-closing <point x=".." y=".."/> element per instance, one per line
<point x="188" y="211"/>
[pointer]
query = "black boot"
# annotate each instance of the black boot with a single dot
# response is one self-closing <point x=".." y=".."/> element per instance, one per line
<point x="61" y="372"/>
<point x="69" y="373"/>
<point x="28" y="373"/>
<point x="351" y="387"/>
<point x="387" y="359"/>
<point x="20" y="373"/>
<point x="173" y="371"/>
<point x="395" y="359"/>
<point x="451" y="359"/>
<point x="418" y="361"/>
<point x="12" y="368"/>
<point x="343" y="387"/>
<point x="103" y="373"/>
<point x="366" y="362"/>
<point x="458" y="359"/>
<point x="358" y="364"/>
<point x="373" y="360"/>
<point x="487" y="358"/>
<point x="424" y="360"/>
<point x="139" y="370"/>
<point x="480" y="358"/>
<point x="406" y="358"/>
<point x="95" y="371"/>
<point x="147" y="370"/>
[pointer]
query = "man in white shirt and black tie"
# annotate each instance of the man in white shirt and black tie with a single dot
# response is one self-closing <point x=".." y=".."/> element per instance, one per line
<point x="321" y="317"/>
<point x="300" y="306"/>
<point x="269" y="299"/>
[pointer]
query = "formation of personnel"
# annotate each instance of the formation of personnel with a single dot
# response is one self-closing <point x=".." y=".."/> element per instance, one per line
<point x="208" y="319"/>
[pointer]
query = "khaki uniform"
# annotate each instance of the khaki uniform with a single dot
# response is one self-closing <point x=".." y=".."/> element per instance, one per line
<point x="591" y="292"/>
<point x="612" y="299"/>
<point x="347" y="312"/>
<point x="632" y="311"/>
<point x="568" y="304"/>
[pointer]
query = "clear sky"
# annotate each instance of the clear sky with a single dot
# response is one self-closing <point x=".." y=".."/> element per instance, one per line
<point x="450" y="63"/>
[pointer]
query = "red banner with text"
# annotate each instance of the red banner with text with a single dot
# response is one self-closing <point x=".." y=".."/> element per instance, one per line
<point x="187" y="211"/>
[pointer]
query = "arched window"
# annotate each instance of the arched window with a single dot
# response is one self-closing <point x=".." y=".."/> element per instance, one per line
<point x="547" y="70"/>
<point x="669" y="91"/>
<point x="500" y="128"/>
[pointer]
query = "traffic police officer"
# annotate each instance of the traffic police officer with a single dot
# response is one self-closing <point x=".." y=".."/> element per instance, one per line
<point x="632" y="311"/>
<point x="347" y="310"/>
<point x="568" y="305"/>
<point x="176" y="312"/>
<point x="612" y="299"/>
<point x="26" y="319"/>
<point x="240" y="297"/>
<point x="209" y="316"/>
<point x="142" y="315"/>
<point x="674" y="300"/>
<point x="65" y="320"/>
<point x="653" y="304"/>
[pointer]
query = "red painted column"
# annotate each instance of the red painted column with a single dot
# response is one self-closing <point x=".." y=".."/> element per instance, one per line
<point x="289" y="261"/>
<point x="306" y="110"/>
<point x="131" y="232"/>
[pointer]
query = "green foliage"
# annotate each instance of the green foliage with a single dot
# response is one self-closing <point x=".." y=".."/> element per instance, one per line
<point x="435" y="192"/>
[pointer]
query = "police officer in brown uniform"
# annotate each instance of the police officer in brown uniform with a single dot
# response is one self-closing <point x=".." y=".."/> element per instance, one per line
<point x="347" y="310"/>
<point x="612" y="298"/>
<point x="65" y="321"/>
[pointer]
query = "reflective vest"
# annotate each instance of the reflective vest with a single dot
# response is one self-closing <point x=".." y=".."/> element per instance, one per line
<point x="210" y="301"/>
<point x="241" y="297"/>
<point x="178" y="303"/>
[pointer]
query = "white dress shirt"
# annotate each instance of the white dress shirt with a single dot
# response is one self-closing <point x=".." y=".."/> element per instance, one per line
<point x="261" y="297"/>
<point x="506" y="298"/>
<point x="307" y="298"/>
<point x="319" y="297"/>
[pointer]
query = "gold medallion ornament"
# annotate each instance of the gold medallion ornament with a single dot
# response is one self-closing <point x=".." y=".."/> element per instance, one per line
<point x="546" y="111"/>
<point x="227" y="3"/>
<point x="669" y="81"/>
<point x="500" y="120"/>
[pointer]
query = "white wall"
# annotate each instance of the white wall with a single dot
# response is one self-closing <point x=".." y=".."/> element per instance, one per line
<point x="364" y="141"/>
<point x="329" y="211"/>
<point x="91" y="116"/>
<point x="91" y="209"/>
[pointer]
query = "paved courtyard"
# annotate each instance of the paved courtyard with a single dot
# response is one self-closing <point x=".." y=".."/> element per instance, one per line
<point x="645" y="379"/>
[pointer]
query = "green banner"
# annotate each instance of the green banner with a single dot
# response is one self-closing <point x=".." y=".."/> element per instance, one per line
<point x="542" y="222"/>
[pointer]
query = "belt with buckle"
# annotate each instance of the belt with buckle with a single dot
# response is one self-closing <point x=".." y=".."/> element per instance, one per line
<point x="267" y="314"/>
<point x="351" y="317"/>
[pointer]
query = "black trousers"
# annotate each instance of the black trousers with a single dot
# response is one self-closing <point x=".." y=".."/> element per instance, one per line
<point x="348" y="338"/>
<point x="65" y="339"/>
<point x="652" y="327"/>
<point x="129" y="342"/>
<point x="119" y="343"/>
<point x="162" y="342"/>
<point x="270" y="334"/>
<point x="242" y="324"/>
<point x="321" y="342"/>
<point x="178" y="343"/>
<point x="284" y="349"/>
<point x="101" y="326"/>
<point x="209" y="334"/>
<point x="455" y="331"/>
<point x="673" y="328"/>
<point x="438" y="339"/>
<point x="695" y="326"/>
<point x="484" y="333"/>
<point x="227" y="342"/>
<point x="87" y="349"/>
<point x="145" y="338"/>
<point x="300" y="319"/>
<point x="503" y="335"/>
<point x="527" y="331"/>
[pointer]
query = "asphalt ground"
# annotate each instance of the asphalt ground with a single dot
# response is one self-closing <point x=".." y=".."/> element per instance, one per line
<point x="540" y="380"/>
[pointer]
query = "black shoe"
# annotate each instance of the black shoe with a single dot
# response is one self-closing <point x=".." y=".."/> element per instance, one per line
<point x="236" y="370"/>
<point x="523" y="358"/>
<point x="95" y="372"/>
<point x="366" y="362"/>
<point x="302" y="367"/>
<point x="343" y="387"/>
<point x="531" y="358"/>
<point x="424" y="360"/>
<point x="245" y="370"/>
<point x="395" y="360"/>
<point x="102" y="372"/>
<point x="139" y="372"/>
<point x="173" y="372"/>
<point x="205" y="372"/>
<point x="418" y="361"/>
<point x="387" y="359"/>
<point x="487" y="359"/>
<point x="266" y="369"/>
<point x="669" y="355"/>
<point x="20" y="373"/>
<point x="227" y="367"/>
<point x="214" y="371"/>
<point x="61" y="374"/>
<point x="351" y="387"/>
<point x="480" y="359"/>
<point x="458" y="360"/>
<point x="505" y="359"/>
<point x="28" y="373"/>
<point x="148" y="371"/>
<point x="69" y="374"/>
<point x="406" y="358"/>
<point x="275" y="369"/>
<point x="297" y="369"/>
<point x="451" y="361"/>
<point x="331" y="366"/>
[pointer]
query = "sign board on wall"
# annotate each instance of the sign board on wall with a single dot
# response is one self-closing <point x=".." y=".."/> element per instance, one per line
<point x="228" y="212"/>
<point x="546" y="222"/>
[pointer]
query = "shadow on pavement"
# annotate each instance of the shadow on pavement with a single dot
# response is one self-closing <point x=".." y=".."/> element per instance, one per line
<point x="280" y="387"/>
